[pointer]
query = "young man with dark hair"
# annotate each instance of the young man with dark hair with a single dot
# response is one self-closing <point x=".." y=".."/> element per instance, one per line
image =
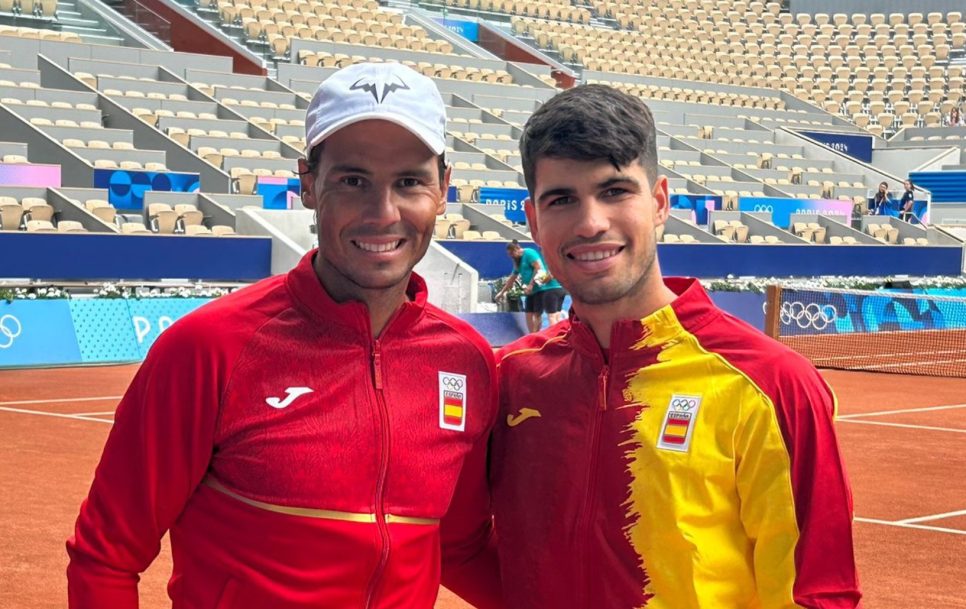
<point x="652" y="450"/>
<point x="544" y="294"/>
<point x="317" y="439"/>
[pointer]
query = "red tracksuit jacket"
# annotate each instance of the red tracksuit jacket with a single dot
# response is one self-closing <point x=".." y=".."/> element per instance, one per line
<point x="296" y="461"/>
<point x="695" y="468"/>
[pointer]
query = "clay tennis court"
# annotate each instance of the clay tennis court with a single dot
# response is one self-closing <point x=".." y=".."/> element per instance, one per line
<point x="904" y="439"/>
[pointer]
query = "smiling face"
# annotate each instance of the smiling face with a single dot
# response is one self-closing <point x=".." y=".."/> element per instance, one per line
<point x="376" y="191"/>
<point x="595" y="224"/>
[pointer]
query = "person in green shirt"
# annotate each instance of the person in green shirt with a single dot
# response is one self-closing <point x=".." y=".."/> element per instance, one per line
<point x="544" y="293"/>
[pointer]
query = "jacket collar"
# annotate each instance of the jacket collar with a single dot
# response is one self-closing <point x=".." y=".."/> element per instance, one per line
<point x="306" y="288"/>
<point x="691" y="309"/>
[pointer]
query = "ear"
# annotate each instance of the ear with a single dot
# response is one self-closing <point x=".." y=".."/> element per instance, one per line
<point x="444" y="191"/>
<point x="531" y="211"/>
<point x="307" y="182"/>
<point x="662" y="201"/>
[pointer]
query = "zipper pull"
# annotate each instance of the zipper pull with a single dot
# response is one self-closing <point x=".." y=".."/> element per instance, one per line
<point x="602" y="383"/>
<point x="376" y="365"/>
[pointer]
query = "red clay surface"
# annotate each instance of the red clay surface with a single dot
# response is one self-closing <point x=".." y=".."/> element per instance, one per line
<point x="952" y="522"/>
<point x="897" y="473"/>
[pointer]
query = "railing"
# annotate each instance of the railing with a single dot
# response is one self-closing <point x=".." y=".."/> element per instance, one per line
<point x="148" y="19"/>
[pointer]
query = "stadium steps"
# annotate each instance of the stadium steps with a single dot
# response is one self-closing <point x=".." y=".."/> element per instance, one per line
<point x="91" y="30"/>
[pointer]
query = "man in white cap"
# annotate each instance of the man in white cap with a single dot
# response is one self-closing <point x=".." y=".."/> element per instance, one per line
<point x="317" y="439"/>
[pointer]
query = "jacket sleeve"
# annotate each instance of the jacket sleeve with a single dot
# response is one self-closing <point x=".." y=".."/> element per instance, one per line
<point x="796" y="504"/>
<point x="469" y="562"/>
<point x="155" y="456"/>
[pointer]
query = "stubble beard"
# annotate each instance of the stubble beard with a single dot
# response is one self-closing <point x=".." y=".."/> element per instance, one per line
<point x="610" y="292"/>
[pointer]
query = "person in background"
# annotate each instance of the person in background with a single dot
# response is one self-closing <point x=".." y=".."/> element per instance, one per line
<point x="954" y="118"/>
<point x="882" y="203"/>
<point x="652" y="450"/>
<point x="317" y="439"/>
<point x="907" y="201"/>
<point x="544" y="294"/>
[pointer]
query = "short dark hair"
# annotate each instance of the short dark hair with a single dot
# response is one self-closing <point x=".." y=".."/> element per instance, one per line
<point x="312" y="161"/>
<point x="588" y="123"/>
<point x="512" y="245"/>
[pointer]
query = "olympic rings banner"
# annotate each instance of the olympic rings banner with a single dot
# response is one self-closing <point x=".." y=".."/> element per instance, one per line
<point x="781" y="209"/>
<point x="810" y="313"/>
<point x="85" y="331"/>
<point x="37" y="333"/>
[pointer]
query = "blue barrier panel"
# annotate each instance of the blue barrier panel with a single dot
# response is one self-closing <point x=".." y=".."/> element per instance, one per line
<point x="698" y="204"/>
<point x="510" y="198"/>
<point x="126" y="188"/>
<point x="857" y="146"/>
<point x="720" y="260"/>
<point x="708" y="260"/>
<point x="489" y="258"/>
<point x="151" y="316"/>
<point x="467" y="29"/>
<point x="93" y="256"/>
<point x="104" y="330"/>
<point x="746" y="306"/>
<point x="781" y="209"/>
<point x="497" y="328"/>
<point x="37" y="333"/>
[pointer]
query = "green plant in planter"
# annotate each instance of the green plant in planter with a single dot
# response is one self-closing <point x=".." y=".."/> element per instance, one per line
<point x="514" y="296"/>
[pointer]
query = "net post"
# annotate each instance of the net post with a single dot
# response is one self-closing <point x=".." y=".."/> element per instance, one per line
<point x="773" y="300"/>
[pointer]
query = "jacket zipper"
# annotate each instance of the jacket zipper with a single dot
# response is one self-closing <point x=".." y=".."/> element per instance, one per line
<point x="591" y="488"/>
<point x="383" y="473"/>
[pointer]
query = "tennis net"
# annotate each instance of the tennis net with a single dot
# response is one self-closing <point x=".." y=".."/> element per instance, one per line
<point x="873" y="331"/>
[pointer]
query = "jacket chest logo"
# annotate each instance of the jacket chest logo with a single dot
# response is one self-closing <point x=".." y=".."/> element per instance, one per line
<point x="452" y="401"/>
<point x="679" y="422"/>
<point x="291" y="394"/>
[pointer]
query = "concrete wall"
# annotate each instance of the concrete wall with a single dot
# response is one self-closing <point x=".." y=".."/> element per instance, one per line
<point x="24" y="52"/>
<point x="874" y="6"/>
<point x="903" y="161"/>
<point x="75" y="171"/>
<point x="948" y="213"/>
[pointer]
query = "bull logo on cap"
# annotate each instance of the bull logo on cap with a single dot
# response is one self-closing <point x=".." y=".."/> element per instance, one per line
<point x="373" y="87"/>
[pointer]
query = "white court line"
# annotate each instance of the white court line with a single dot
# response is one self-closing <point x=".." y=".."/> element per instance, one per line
<point x="881" y="413"/>
<point x="62" y="400"/>
<point x="903" y="525"/>
<point x="92" y="414"/>
<point x="933" y="517"/>
<point x="54" y="414"/>
<point x="907" y="426"/>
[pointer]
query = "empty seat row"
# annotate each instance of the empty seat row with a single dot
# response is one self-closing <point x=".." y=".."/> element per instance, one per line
<point x="40" y="103"/>
<point x="810" y="231"/>
<point x="674" y="238"/>
<point x="64" y="122"/>
<point x="13" y="213"/>
<point x="129" y="165"/>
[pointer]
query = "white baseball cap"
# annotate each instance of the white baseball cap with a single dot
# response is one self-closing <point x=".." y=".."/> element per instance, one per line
<point x="384" y="91"/>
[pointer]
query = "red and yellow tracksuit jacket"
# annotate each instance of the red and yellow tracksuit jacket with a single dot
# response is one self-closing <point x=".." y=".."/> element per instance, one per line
<point x="694" y="467"/>
<point x="296" y="461"/>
